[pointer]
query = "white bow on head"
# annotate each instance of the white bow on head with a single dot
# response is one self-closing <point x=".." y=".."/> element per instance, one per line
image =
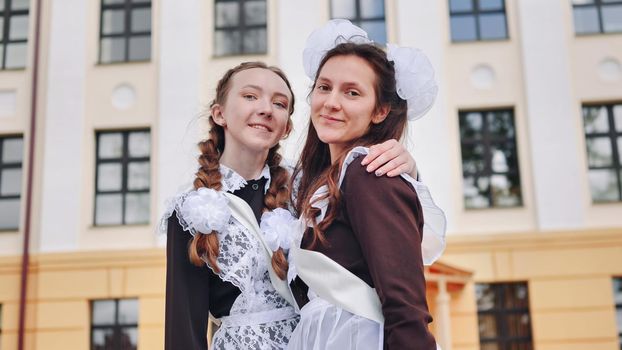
<point x="414" y="73"/>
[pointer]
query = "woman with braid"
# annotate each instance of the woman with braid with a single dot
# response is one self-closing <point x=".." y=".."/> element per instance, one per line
<point x="231" y="221"/>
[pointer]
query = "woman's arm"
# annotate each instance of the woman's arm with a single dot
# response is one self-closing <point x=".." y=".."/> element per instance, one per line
<point x="187" y="293"/>
<point x="385" y="215"/>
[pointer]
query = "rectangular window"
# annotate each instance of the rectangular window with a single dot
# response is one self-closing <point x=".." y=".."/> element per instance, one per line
<point x="367" y="14"/>
<point x="603" y="140"/>
<point x="597" y="16"/>
<point x="11" y="156"/>
<point x="13" y="33"/>
<point x="489" y="159"/>
<point x="503" y="316"/>
<point x="473" y="20"/>
<point x="240" y="27"/>
<point x="617" y="297"/>
<point x="114" y="324"/>
<point x="125" y="31"/>
<point x="122" y="179"/>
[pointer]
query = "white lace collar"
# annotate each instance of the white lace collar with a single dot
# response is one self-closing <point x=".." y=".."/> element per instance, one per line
<point x="232" y="181"/>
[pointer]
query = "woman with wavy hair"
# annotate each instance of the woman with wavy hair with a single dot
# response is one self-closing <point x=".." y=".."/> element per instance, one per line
<point x="229" y="221"/>
<point x="360" y="263"/>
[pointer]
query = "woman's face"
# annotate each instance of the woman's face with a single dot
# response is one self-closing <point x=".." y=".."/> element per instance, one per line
<point x="255" y="112"/>
<point x="343" y="102"/>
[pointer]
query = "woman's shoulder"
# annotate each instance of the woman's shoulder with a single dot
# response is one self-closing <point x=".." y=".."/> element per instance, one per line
<point x="354" y="175"/>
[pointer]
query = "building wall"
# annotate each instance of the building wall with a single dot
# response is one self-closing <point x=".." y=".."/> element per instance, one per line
<point x="564" y="246"/>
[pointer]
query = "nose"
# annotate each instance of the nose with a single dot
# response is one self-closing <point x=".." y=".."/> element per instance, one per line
<point x="265" y="108"/>
<point x="332" y="101"/>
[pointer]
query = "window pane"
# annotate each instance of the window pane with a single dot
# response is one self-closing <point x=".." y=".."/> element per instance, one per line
<point x="1" y="25"/>
<point x="112" y="50"/>
<point x="18" y="28"/>
<point x="129" y="338"/>
<point x="617" y="291"/>
<point x="255" y="41"/>
<point x="103" y="339"/>
<point x="619" y="150"/>
<point x="141" y="1"/>
<point x="612" y="18"/>
<point x="108" y="209"/>
<point x="138" y="176"/>
<point x="503" y="157"/>
<point x="595" y="119"/>
<point x="15" y="55"/>
<point x="227" y="14"/>
<point x="582" y="2"/>
<point x="492" y="26"/>
<point x="112" y="2"/>
<point x="9" y="213"/>
<point x="490" y="4"/>
<point x="11" y="182"/>
<point x="343" y="9"/>
<point x="471" y="125"/>
<point x="500" y="124"/>
<point x="516" y="296"/>
<point x="12" y="151"/>
<point x="20" y="4"/>
<point x="113" y="22"/>
<point x="128" y="311"/>
<point x="460" y="5"/>
<point x="141" y="20"/>
<point x="226" y="42"/>
<point x="518" y="325"/>
<point x="372" y="8"/>
<point x="463" y="28"/>
<point x="619" y="320"/>
<point x="476" y="192"/>
<point x="617" y="117"/>
<point x="603" y="185"/>
<point x="585" y="20"/>
<point x="599" y="152"/>
<point x="473" y="158"/>
<point x="485" y="295"/>
<point x="140" y="48"/>
<point x="109" y="177"/>
<point x="137" y="208"/>
<point x="376" y="30"/>
<point x="254" y="12"/>
<point x="139" y="144"/>
<point x="1" y="5"/>
<point x="103" y="312"/>
<point x="110" y="146"/>
<point x="487" y="325"/>
<point x="489" y="346"/>
<point x="505" y="190"/>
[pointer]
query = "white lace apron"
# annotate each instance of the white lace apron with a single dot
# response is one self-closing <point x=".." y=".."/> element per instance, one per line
<point x="260" y="317"/>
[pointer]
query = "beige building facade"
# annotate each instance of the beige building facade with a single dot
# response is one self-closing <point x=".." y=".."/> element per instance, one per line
<point x="523" y="151"/>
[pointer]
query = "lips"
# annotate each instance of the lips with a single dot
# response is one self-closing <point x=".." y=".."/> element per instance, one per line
<point x="260" y="127"/>
<point x="330" y="119"/>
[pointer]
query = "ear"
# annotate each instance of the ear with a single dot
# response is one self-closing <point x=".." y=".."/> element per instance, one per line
<point x="288" y="129"/>
<point x="216" y="112"/>
<point x="381" y="115"/>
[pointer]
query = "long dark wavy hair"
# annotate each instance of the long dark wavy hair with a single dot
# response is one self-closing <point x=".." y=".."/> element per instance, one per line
<point x="315" y="160"/>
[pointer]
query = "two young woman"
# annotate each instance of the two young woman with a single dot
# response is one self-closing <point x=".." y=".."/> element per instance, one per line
<point x="241" y="177"/>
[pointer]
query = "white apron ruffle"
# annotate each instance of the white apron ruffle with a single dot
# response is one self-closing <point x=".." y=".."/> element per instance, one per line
<point x="324" y="326"/>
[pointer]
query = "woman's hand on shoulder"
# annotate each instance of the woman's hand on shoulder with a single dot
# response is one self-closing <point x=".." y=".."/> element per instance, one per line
<point x="390" y="158"/>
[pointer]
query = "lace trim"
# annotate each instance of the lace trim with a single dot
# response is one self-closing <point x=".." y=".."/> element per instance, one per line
<point x="232" y="181"/>
<point x="434" y="221"/>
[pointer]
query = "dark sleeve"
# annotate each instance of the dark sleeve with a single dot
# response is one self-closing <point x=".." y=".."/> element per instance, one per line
<point x="386" y="218"/>
<point x="187" y="294"/>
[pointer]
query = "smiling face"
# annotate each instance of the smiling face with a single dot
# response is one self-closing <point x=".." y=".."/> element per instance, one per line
<point x="255" y="112"/>
<point x="343" y="102"/>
